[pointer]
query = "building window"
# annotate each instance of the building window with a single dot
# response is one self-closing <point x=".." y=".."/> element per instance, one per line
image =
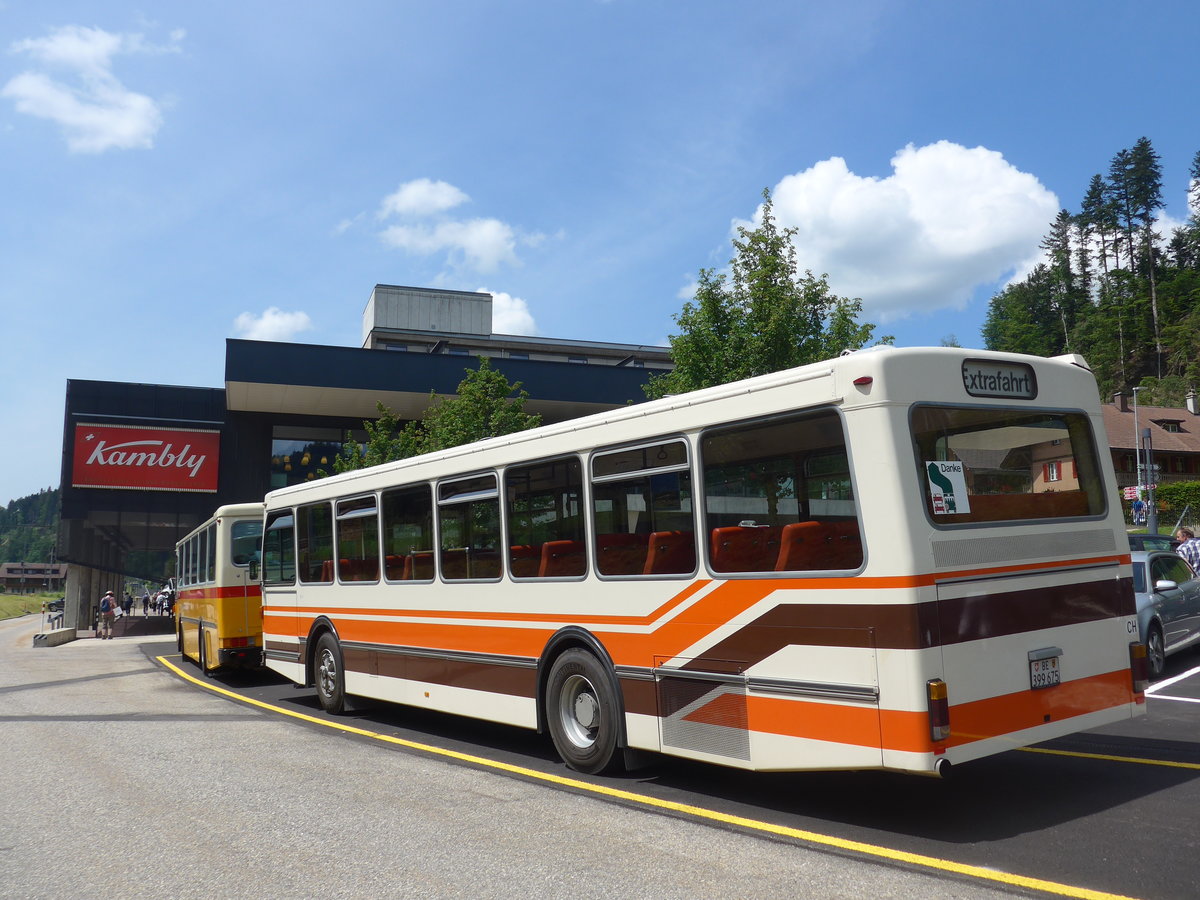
<point x="458" y="351"/>
<point x="512" y="354"/>
<point x="577" y="359"/>
<point x="1053" y="471"/>
<point x="1170" y="427"/>
<point x="301" y="454"/>
<point x="401" y="347"/>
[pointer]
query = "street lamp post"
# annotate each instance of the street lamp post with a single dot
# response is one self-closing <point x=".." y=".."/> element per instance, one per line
<point x="1137" y="444"/>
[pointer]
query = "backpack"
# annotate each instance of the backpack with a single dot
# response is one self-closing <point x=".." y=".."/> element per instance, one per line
<point x="105" y="604"/>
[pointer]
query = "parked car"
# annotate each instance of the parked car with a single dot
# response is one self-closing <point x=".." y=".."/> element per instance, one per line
<point x="1152" y="542"/>
<point x="1168" y="605"/>
<point x="56" y="605"/>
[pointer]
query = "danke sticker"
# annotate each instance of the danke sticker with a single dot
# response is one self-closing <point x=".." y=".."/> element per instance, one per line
<point x="948" y="488"/>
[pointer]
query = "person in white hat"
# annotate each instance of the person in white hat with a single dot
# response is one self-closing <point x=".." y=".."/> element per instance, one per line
<point x="108" y="609"/>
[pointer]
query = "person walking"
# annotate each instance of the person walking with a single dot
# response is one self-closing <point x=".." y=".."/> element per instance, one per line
<point x="108" y="609"/>
<point x="1189" y="546"/>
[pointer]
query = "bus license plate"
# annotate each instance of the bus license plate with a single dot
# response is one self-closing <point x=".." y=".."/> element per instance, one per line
<point x="1044" y="673"/>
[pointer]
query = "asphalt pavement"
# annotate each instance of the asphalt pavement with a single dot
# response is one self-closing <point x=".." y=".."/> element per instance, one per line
<point x="119" y="779"/>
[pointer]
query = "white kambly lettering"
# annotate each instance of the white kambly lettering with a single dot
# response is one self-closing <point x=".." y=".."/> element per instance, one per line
<point x="125" y="455"/>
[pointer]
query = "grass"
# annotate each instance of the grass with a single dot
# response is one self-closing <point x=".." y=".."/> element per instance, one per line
<point x="12" y="605"/>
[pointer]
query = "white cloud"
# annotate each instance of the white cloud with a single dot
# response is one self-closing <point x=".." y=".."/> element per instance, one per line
<point x="510" y="315"/>
<point x="478" y="244"/>
<point x="946" y="221"/>
<point x="481" y="244"/>
<point x="422" y="197"/>
<point x="272" y="324"/>
<point x="95" y="111"/>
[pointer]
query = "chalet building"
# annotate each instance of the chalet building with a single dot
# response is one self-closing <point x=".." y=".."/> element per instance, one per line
<point x="32" y="578"/>
<point x="1174" y="438"/>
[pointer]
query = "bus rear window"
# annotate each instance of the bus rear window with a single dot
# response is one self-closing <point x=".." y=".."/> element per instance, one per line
<point x="1005" y="465"/>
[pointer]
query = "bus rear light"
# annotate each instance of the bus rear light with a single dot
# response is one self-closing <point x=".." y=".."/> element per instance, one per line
<point x="238" y="642"/>
<point x="1139" y="667"/>
<point x="939" y="709"/>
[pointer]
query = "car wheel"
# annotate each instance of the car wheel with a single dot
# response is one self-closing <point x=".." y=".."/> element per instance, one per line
<point x="328" y="675"/>
<point x="581" y="712"/>
<point x="1156" y="654"/>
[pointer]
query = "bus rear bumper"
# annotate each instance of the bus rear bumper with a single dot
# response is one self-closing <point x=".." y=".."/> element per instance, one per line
<point x="240" y="657"/>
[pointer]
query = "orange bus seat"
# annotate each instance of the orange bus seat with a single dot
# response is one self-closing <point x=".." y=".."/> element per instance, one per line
<point x="483" y="563"/>
<point x="671" y="553"/>
<point x="396" y="563"/>
<point x="741" y="548"/>
<point x="418" y="566"/>
<point x="621" y="553"/>
<point x="561" y="559"/>
<point x="454" y="563"/>
<point x="523" y="560"/>
<point x="801" y="546"/>
<point x="845" y="545"/>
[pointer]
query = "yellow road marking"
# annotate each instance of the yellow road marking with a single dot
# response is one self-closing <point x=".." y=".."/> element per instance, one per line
<point x="1104" y="756"/>
<point x="698" y="812"/>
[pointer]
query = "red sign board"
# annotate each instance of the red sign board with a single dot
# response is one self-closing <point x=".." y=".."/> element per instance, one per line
<point x="130" y="457"/>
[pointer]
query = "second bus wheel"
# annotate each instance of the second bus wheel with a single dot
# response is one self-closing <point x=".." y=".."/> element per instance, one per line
<point x="581" y="712"/>
<point x="328" y="675"/>
<point x="201" y="652"/>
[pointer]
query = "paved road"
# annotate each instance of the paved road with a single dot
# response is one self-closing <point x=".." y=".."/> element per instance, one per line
<point x="118" y="779"/>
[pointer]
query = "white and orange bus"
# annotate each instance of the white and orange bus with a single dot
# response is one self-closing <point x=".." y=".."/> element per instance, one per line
<point x="218" y="609"/>
<point x="899" y="559"/>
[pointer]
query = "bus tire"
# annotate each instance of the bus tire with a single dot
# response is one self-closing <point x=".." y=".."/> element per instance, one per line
<point x="329" y="676"/>
<point x="201" y="653"/>
<point x="581" y="712"/>
<point x="1156" y="653"/>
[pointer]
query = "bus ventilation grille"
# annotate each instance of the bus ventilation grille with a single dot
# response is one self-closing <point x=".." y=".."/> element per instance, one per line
<point x="704" y="716"/>
<point x="978" y="551"/>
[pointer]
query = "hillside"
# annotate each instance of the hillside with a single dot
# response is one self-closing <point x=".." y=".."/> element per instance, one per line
<point x="29" y="527"/>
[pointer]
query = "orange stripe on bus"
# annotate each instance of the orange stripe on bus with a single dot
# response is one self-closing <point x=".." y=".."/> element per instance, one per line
<point x="212" y="593"/>
<point x="526" y="636"/>
<point x="908" y="730"/>
<point x="995" y="716"/>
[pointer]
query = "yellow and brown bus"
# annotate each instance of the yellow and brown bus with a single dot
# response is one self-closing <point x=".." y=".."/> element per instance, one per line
<point x="218" y="608"/>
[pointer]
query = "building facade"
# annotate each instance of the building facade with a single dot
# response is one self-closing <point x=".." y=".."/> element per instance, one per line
<point x="143" y="464"/>
<point x="1174" y="439"/>
<point x="32" y="578"/>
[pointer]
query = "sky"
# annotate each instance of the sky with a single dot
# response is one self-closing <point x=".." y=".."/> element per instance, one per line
<point x="176" y="174"/>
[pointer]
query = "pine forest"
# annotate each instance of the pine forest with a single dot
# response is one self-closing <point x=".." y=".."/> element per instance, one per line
<point x="1112" y="288"/>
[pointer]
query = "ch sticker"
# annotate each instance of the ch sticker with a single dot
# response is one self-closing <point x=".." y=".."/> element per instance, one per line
<point x="948" y="488"/>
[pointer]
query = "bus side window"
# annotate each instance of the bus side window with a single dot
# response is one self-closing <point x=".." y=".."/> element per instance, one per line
<point x="778" y="496"/>
<point x="314" y="539"/>
<point x="279" y="549"/>
<point x="545" y="522"/>
<point x="642" y="510"/>
<point x="408" y="533"/>
<point x="358" y="539"/>
<point x="469" y="529"/>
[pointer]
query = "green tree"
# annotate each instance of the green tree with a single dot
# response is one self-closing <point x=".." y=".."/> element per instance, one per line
<point x="764" y="317"/>
<point x="484" y="406"/>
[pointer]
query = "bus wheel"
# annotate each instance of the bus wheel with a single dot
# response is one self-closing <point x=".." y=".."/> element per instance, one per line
<point x="328" y="675"/>
<point x="1156" y="654"/>
<point x="581" y="712"/>
<point x="202" y="653"/>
